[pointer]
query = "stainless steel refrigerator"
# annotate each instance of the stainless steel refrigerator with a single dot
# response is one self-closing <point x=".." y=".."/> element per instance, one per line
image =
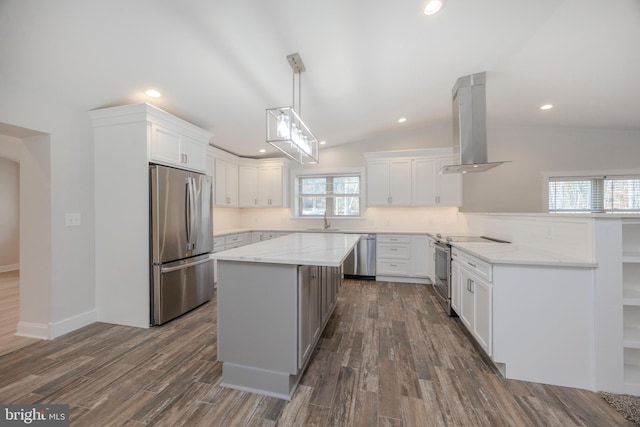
<point x="181" y="238"/>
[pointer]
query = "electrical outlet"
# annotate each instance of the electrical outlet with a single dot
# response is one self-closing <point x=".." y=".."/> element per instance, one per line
<point x="72" y="219"/>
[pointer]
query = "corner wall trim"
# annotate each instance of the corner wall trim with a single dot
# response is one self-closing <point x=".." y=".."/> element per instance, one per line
<point x="33" y="330"/>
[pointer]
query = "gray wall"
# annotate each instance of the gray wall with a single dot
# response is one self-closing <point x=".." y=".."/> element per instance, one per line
<point x="9" y="214"/>
<point x="535" y="152"/>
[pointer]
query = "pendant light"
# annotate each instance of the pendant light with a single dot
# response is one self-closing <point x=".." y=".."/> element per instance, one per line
<point x="285" y="129"/>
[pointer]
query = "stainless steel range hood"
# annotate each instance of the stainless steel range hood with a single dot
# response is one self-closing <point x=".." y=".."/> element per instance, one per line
<point x="470" y="126"/>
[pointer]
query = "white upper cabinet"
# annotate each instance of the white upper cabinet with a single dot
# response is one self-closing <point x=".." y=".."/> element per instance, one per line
<point x="412" y="178"/>
<point x="247" y="186"/>
<point x="431" y="188"/>
<point x="424" y="173"/>
<point x="173" y="143"/>
<point x="389" y="182"/>
<point x="271" y="186"/>
<point x="226" y="183"/>
<point x="250" y="183"/>
<point x="448" y="186"/>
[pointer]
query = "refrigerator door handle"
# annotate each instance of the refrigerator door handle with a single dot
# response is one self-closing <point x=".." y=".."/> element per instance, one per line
<point x="190" y="212"/>
<point x="194" y="213"/>
<point x="183" y="266"/>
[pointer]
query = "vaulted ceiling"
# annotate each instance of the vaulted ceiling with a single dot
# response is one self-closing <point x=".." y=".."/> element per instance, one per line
<point x="220" y="64"/>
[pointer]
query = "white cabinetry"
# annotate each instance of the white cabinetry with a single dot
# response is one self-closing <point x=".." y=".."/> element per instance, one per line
<point x="126" y="140"/>
<point x="476" y="299"/>
<point x="170" y="146"/>
<point x="412" y="178"/>
<point x="431" y="259"/>
<point x="455" y="280"/>
<point x="631" y="301"/>
<point x="389" y="182"/>
<point x="448" y="186"/>
<point x="247" y="186"/>
<point x="270" y="186"/>
<point x="263" y="183"/>
<point x="402" y="257"/>
<point x="226" y="183"/>
<point x="419" y="255"/>
<point x="431" y="188"/>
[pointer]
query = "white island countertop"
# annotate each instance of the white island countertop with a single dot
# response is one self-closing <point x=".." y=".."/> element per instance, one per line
<point x="323" y="249"/>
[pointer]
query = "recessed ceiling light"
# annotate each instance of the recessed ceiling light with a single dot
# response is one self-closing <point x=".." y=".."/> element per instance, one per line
<point x="323" y="142"/>
<point x="262" y="150"/>
<point x="432" y="7"/>
<point x="546" y="107"/>
<point x="402" y="119"/>
<point x="153" y="93"/>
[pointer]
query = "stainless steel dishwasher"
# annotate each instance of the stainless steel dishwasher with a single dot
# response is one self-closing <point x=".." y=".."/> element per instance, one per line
<point x="361" y="263"/>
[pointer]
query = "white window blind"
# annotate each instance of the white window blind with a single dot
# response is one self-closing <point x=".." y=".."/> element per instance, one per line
<point x="337" y="195"/>
<point x="595" y="194"/>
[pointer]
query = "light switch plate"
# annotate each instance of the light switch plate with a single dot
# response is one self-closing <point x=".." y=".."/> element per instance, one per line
<point x="72" y="219"/>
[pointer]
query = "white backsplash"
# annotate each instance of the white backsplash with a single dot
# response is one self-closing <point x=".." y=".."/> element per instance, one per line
<point x="548" y="232"/>
<point x="374" y="219"/>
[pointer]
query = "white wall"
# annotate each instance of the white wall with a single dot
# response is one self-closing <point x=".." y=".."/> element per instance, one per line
<point x="405" y="138"/>
<point x="9" y="214"/>
<point x="62" y="159"/>
<point x="518" y="186"/>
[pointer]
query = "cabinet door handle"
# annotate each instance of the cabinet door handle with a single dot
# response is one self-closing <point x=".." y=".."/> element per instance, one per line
<point x="471" y="282"/>
<point x="471" y="264"/>
<point x="393" y="265"/>
<point x="393" y="249"/>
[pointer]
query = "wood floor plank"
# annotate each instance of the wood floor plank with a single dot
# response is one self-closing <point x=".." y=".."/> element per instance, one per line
<point x="388" y="357"/>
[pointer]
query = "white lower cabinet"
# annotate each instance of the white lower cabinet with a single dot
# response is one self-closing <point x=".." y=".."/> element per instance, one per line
<point x="475" y="299"/>
<point x="455" y="281"/>
<point x="403" y="256"/>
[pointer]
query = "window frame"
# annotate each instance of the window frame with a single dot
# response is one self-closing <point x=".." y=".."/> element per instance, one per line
<point x="598" y="190"/>
<point x="295" y="182"/>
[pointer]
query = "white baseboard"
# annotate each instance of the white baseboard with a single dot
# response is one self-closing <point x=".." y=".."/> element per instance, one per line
<point x="50" y="331"/>
<point x="72" y="323"/>
<point x="9" y="267"/>
<point x="33" y="330"/>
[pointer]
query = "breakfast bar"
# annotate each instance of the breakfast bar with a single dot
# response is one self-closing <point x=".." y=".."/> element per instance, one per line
<point x="274" y="299"/>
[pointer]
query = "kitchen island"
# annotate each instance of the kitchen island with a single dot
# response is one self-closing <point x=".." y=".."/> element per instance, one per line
<point x="274" y="299"/>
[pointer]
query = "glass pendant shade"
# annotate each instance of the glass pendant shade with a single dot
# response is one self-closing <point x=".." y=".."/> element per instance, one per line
<point x="287" y="132"/>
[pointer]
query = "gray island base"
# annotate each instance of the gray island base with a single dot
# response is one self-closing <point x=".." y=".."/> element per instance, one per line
<point x="274" y="300"/>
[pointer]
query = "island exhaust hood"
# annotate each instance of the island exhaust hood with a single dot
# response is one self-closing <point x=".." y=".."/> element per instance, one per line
<point x="470" y="126"/>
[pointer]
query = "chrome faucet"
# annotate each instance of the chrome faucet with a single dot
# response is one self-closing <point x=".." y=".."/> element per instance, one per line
<point x="326" y="223"/>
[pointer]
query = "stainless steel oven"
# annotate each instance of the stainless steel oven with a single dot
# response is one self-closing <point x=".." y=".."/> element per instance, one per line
<point x="442" y="282"/>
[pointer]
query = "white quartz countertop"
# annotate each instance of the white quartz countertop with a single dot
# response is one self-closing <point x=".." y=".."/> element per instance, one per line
<point x="324" y="249"/>
<point x="221" y="233"/>
<point x="509" y="253"/>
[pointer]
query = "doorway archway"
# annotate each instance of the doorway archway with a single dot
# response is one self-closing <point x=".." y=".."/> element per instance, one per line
<point x="35" y="252"/>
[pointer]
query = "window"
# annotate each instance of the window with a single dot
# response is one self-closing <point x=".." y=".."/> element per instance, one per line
<point x="338" y="195"/>
<point x="609" y="194"/>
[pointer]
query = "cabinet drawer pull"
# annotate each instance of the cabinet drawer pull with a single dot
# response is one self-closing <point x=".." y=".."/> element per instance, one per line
<point x="393" y="265"/>
<point x="471" y="264"/>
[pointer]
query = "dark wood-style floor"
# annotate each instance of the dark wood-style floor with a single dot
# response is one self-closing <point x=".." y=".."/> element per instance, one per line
<point x="389" y="357"/>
